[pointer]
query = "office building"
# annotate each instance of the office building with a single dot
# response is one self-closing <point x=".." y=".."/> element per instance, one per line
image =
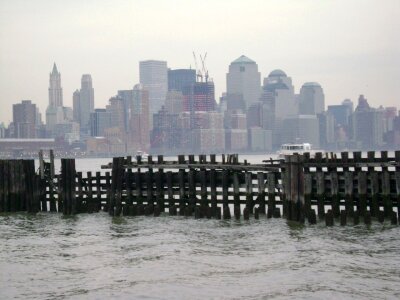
<point x="278" y="93"/>
<point x="368" y="125"/>
<point x="54" y="113"/>
<point x="180" y="78"/>
<point x="100" y="120"/>
<point x="154" y="78"/>
<point x="199" y="97"/>
<point x="139" y="123"/>
<point x="24" y="119"/>
<point x="301" y="129"/>
<point x="243" y="81"/>
<point x="278" y="103"/>
<point x="259" y="139"/>
<point x="235" y="131"/>
<point x="55" y="89"/>
<point x="166" y="134"/>
<point x="116" y="108"/>
<point x="326" y="130"/>
<point x="174" y="102"/>
<point x="341" y="114"/>
<point x="311" y="99"/>
<point x="83" y="103"/>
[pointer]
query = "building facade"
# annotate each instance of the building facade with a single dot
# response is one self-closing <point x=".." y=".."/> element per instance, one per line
<point x="100" y="120"/>
<point x="24" y="119"/>
<point x="311" y="99"/>
<point x="243" y="79"/>
<point x="154" y="78"/>
<point x="54" y="113"/>
<point x="83" y="103"/>
<point x="180" y="78"/>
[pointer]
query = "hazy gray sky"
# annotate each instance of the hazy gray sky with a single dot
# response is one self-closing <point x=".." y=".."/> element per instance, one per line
<point x="350" y="47"/>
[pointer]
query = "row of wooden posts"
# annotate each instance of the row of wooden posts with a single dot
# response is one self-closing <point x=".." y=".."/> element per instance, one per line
<point x="298" y="187"/>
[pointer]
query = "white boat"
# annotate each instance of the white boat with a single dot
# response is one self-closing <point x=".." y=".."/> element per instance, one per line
<point x="290" y="149"/>
<point x="142" y="154"/>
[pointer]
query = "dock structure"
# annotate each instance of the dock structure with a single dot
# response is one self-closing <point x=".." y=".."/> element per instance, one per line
<point x="328" y="187"/>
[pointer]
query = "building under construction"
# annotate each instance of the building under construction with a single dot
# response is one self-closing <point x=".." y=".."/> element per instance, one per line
<point x="199" y="96"/>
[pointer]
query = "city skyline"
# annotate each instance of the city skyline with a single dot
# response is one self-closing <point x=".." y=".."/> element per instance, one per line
<point x="346" y="61"/>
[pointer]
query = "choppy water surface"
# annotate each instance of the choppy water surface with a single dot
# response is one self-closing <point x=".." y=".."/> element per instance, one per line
<point x="49" y="256"/>
<point x="94" y="256"/>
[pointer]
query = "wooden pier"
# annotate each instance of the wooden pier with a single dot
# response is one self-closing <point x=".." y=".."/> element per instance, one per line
<point x="332" y="188"/>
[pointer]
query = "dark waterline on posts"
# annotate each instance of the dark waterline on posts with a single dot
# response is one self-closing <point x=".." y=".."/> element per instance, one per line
<point x="298" y="187"/>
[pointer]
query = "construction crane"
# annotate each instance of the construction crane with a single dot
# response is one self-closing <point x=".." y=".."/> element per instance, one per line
<point x="203" y="63"/>
<point x="198" y="71"/>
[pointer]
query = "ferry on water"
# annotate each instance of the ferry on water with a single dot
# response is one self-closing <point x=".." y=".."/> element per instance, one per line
<point x="142" y="154"/>
<point x="289" y="149"/>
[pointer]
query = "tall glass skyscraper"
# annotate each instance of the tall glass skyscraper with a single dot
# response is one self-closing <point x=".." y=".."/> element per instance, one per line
<point x="154" y="78"/>
<point x="244" y="79"/>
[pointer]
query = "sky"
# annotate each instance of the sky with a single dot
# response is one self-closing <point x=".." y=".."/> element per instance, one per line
<point x="350" y="47"/>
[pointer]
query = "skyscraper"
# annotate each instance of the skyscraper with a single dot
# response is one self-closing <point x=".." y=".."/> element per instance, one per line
<point x="368" y="125"/>
<point x="24" y="119"/>
<point x="165" y="135"/>
<point x="55" y="89"/>
<point x="199" y="97"/>
<point x="76" y="98"/>
<point x="244" y="79"/>
<point x="180" y="78"/>
<point x="341" y="114"/>
<point x="100" y="120"/>
<point x="174" y="102"/>
<point x="311" y="99"/>
<point x="130" y="113"/>
<point x="117" y="110"/>
<point x="278" y="103"/>
<point x="139" y="119"/>
<point x="83" y="102"/>
<point x="301" y="129"/>
<point x="154" y="78"/>
<point x="279" y="91"/>
<point x="54" y="111"/>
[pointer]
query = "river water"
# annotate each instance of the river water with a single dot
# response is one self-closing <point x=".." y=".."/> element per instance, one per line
<point x="94" y="256"/>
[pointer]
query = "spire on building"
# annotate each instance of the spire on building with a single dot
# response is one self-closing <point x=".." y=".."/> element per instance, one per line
<point x="55" y="89"/>
<point x="54" y="69"/>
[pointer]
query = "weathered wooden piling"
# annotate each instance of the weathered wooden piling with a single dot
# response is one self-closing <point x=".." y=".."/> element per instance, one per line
<point x="312" y="217"/>
<point x="367" y="218"/>
<point x="335" y="195"/>
<point x="356" y="217"/>
<point x="343" y="218"/>
<point x="362" y="193"/>
<point x="213" y="192"/>
<point x="203" y="191"/>
<point x="236" y="196"/>
<point x="2" y="188"/>
<point x="321" y="194"/>
<point x="68" y="186"/>
<point x="261" y="193"/>
<point x="329" y="219"/>
<point x="182" y="192"/>
<point x="348" y="181"/>
<point x="249" y="192"/>
<point x="246" y="213"/>
<point x="294" y="187"/>
<point x="365" y="186"/>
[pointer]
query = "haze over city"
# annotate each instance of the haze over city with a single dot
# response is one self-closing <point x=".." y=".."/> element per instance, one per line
<point x="350" y="48"/>
<point x="180" y="149"/>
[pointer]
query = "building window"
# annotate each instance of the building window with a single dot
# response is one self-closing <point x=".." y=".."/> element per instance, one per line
<point x="242" y="69"/>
